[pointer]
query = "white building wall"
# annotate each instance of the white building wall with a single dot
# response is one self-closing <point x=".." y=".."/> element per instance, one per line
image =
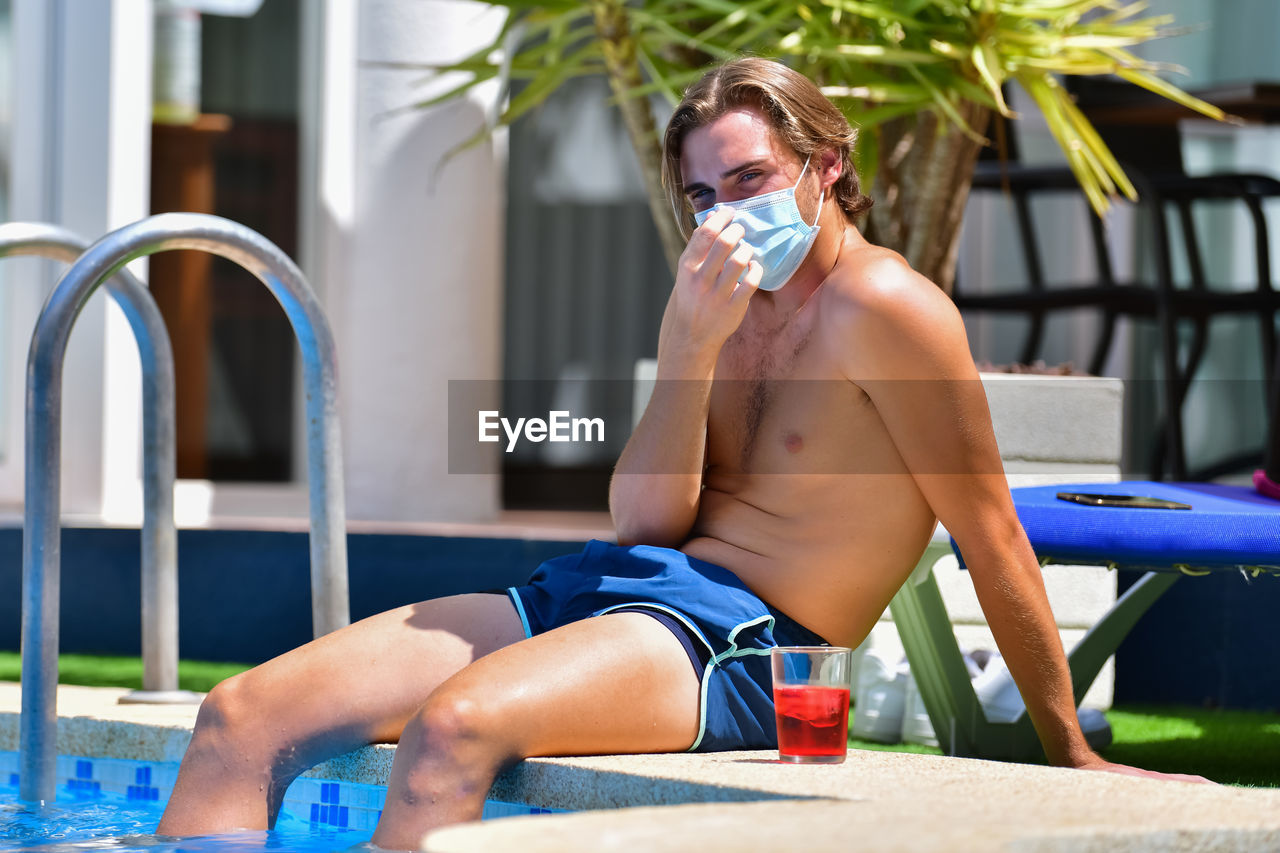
<point x="418" y="300"/>
<point x="81" y="155"/>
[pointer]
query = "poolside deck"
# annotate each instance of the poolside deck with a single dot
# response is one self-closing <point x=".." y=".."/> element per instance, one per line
<point x="748" y="801"/>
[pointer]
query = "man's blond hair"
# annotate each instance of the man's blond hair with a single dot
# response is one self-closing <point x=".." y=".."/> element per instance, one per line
<point x="799" y="113"/>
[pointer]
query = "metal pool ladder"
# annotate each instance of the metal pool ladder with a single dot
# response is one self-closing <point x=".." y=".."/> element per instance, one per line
<point x="159" y="536"/>
<point x="41" y="557"/>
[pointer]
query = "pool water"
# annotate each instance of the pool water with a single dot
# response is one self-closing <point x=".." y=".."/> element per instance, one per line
<point x="111" y="823"/>
<point x="114" y="804"/>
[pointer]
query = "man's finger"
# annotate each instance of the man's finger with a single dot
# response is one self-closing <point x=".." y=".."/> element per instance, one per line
<point x="749" y="284"/>
<point x="732" y="268"/>
<point x="705" y="234"/>
<point x="722" y="249"/>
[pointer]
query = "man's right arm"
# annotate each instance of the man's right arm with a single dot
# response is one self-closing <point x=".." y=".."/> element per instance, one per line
<point x="657" y="482"/>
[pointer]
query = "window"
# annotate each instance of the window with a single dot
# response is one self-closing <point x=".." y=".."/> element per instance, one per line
<point x="234" y="351"/>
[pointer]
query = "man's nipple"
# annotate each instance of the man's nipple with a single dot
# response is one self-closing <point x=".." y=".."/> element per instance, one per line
<point x="793" y="442"/>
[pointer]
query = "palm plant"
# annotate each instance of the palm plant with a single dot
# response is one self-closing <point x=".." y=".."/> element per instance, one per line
<point x="920" y="78"/>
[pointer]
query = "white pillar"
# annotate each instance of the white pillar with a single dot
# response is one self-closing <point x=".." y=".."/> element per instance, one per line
<point x="81" y="159"/>
<point x="418" y="299"/>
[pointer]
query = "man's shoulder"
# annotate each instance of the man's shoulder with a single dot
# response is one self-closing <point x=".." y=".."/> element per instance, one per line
<point x="872" y="284"/>
<point x="889" y="320"/>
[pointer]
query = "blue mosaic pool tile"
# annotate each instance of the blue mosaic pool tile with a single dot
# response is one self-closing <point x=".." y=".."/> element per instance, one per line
<point x="344" y="806"/>
<point x="142" y="789"/>
<point x="331" y="815"/>
<point x="498" y="809"/>
<point x="84" y="786"/>
<point x="13" y="779"/>
<point x="81" y="782"/>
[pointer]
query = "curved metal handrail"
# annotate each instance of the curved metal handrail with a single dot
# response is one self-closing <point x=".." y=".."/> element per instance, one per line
<point x="40" y="552"/>
<point x="159" y="534"/>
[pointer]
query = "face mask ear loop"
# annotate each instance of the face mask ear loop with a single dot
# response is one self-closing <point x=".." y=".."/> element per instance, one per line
<point x="822" y="196"/>
<point x="802" y="171"/>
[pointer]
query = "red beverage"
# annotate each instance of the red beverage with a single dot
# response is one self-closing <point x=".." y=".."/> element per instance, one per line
<point x="813" y="723"/>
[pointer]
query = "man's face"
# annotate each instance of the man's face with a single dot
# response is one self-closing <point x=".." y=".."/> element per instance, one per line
<point x="738" y="156"/>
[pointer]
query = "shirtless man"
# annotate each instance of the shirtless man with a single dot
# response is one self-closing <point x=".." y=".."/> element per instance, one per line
<point x="749" y="485"/>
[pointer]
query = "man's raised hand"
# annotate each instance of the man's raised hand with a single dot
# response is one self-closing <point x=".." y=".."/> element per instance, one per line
<point x="709" y="301"/>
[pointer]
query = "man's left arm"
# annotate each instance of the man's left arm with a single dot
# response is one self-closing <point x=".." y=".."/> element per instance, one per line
<point x="907" y="349"/>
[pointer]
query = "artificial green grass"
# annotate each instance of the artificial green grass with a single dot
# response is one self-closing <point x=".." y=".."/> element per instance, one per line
<point x="1231" y="747"/>
<point x="102" y="671"/>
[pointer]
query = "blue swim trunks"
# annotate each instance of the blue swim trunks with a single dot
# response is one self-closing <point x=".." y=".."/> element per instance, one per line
<point x="732" y="627"/>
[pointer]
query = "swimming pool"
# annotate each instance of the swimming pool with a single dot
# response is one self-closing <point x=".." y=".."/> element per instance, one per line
<point x="115" y="804"/>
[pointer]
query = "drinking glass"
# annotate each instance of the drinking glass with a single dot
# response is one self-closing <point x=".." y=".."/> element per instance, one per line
<point x="811" y="698"/>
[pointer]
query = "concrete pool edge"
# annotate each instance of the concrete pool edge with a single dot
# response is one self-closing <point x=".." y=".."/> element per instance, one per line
<point x="91" y="723"/>
<point x="834" y="825"/>
<point x="903" y="801"/>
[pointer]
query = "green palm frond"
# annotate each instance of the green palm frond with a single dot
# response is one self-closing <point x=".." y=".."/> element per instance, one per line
<point x="878" y="59"/>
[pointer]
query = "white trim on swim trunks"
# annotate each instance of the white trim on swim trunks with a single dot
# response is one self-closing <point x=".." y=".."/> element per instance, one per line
<point x="704" y="682"/>
<point x="733" y="651"/>
<point x="514" y="595"/>
<point x="662" y="608"/>
<point x="712" y="662"/>
<point x="702" y="704"/>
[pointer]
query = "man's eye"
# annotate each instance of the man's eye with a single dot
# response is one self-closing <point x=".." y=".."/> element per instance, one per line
<point x="748" y="176"/>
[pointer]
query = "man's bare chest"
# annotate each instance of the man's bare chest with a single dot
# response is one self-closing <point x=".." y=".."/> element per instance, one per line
<point x="781" y="405"/>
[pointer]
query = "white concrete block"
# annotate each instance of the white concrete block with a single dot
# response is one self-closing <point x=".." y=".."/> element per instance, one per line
<point x="1026" y="472"/>
<point x="1079" y="595"/>
<point x="1056" y="418"/>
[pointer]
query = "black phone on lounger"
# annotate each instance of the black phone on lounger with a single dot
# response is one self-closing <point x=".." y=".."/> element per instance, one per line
<point x="1134" y="501"/>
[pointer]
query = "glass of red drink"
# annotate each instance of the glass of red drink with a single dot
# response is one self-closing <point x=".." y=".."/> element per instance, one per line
<point x="811" y="701"/>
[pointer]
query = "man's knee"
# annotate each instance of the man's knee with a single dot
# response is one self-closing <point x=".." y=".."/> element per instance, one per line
<point x="231" y="708"/>
<point x="456" y="725"/>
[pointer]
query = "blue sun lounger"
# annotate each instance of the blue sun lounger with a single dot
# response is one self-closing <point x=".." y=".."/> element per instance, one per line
<point x="1228" y="528"/>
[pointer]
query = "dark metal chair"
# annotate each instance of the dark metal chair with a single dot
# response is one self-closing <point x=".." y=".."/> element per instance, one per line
<point x="1153" y="161"/>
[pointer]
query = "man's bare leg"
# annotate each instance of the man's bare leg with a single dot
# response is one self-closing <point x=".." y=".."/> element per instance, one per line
<point x="257" y="731"/>
<point x="620" y="683"/>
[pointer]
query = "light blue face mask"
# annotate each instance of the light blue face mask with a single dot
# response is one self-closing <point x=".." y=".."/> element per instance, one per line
<point x="776" y="232"/>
